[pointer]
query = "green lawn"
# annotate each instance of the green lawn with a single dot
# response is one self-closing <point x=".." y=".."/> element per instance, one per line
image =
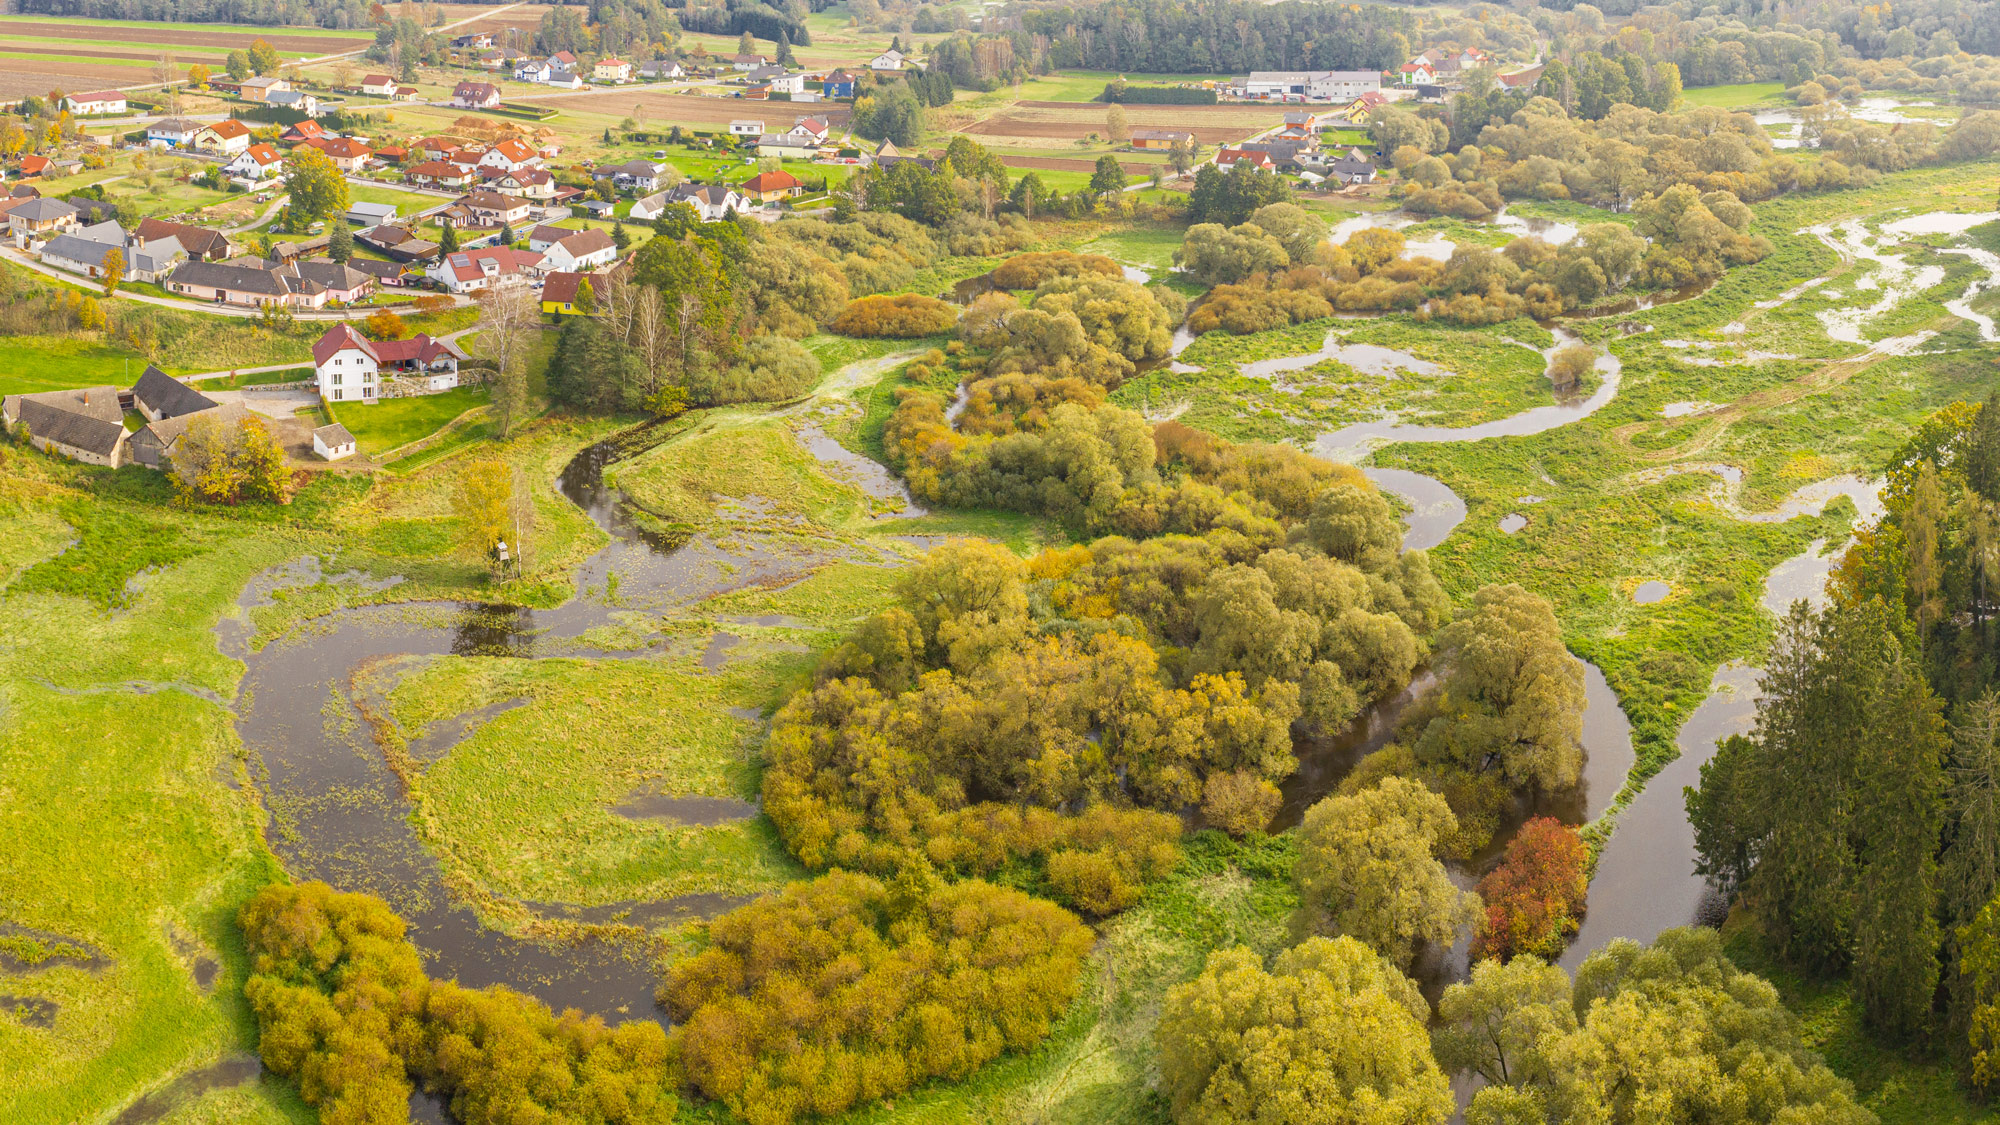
<point x="1732" y="97"/>
<point x="407" y="203"/>
<point x="1088" y="85"/>
<point x="394" y="422"/>
<point x="50" y="363"/>
<point x="1140" y="246"/>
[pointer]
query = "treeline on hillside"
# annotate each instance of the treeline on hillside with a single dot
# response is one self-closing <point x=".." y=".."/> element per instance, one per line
<point x="339" y="14"/>
<point x="1277" y="269"/>
<point x="1221" y="36"/>
<point x="1860" y="821"/>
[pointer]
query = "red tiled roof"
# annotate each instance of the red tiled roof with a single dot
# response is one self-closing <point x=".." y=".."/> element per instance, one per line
<point x="344" y="147"/>
<point x="229" y="129"/>
<point x="771" y="181"/>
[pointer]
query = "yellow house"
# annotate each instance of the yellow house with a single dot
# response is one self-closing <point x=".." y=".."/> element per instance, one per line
<point x="559" y="292"/>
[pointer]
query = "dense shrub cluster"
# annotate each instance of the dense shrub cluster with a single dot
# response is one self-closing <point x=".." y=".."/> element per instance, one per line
<point x="1534" y="897"/>
<point x="841" y="990"/>
<point x="772" y="368"/>
<point x="905" y="316"/>
<point x="1026" y="271"/>
<point x="344" y="1010"/>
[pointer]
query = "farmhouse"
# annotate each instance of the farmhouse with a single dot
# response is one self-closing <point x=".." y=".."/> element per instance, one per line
<point x="493" y="266"/>
<point x="155" y="443"/>
<point x="85" y="251"/>
<point x="577" y="250"/>
<point x="224" y="137"/>
<point x="380" y="85"/>
<point x="475" y="95"/>
<point x="1352" y="170"/>
<point x="1160" y="138"/>
<point x="333" y="443"/>
<point x="349" y="367"/>
<point x="767" y="186"/>
<point x="199" y="242"/>
<point x="793" y="145"/>
<point x="661" y="68"/>
<point x="172" y="132"/>
<point x="249" y="282"/>
<point x="81" y="423"/>
<point x="104" y="101"/>
<point x="159" y="395"/>
<point x="305" y="103"/>
<point x="748" y="62"/>
<point x="257" y="162"/>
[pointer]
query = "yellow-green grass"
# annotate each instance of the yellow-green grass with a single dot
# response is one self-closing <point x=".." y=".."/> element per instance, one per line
<point x="1148" y="246"/>
<point x="1734" y="96"/>
<point x="49" y="363"/>
<point x="392" y="422"/>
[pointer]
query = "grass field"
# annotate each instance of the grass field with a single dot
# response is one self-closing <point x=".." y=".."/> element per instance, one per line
<point x="393" y="422"/>
<point x="1734" y="97"/>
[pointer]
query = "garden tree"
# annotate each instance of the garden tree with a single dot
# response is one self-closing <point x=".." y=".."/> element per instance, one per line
<point x="344" y="1010"/>
<point x="318" y="190"/>
<point x="784" y="56"/>
<point x="907" y="316"/>
<point x="228" y="461"/>
<point x="621" y="239"/>
<point x="746" y="44"/>
<point x="447" y="236"/>
<point x="507" y="234"/>
<point x="1534" y="897"/>
<point x="1508" y="713"/>
<point x="383" y="324"/>
<point x="1331" y="1033"/>
<point x="1368" y="868"/>
<point x="480" y="500"/>
<point x="263" y="57"/>
<point x="198" y="76"/>
<point x="114" y="270"/>
<point x="1669" y="1032"/>
<point x="340" y="243"/>
<point x="884" y="987"/>
<point x="1837" y="797"/>
<point x="1231" y="197"/>
<point x="1213" y="255"/>
<point x="237" y="65"/>
<point x="1180" y="155"/>
<point x="1116" y="129"/>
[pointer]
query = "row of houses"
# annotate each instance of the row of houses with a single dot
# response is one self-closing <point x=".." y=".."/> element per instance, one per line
<point x="87" y="424"/>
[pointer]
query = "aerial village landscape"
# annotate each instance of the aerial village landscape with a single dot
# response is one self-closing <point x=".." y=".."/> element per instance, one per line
<point x="889" y="561"/>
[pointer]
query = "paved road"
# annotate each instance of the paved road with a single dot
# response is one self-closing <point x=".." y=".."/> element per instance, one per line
<point x="241" y="312"/>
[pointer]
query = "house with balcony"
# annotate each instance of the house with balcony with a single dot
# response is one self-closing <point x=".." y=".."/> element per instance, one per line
<point x="349" y="367"/>
<point x="224" y="138"/>
<point x="491" y="267"/>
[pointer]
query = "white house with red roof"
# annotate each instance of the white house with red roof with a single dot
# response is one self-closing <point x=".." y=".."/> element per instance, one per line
<point x="1231" y="157"/>
<point x="464" y="271"/>
<point x="104" y="101"/>
<point x="475" y="95"/>
<point x="349" y="367"/>
<point x="511" y="154"/>
<point x="380" y="85"/>
<point x="576" y="251"/>
<point x="258" y="162"/>
<point x="347" y="154"/>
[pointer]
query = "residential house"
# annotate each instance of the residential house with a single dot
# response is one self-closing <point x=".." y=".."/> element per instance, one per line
<point x="492" y="59"/>
<point x="839" y="84"/>
<point x="86" y="249"/>
<point x="475" y="95"/>
<point x="154" y="261"/>
<point x="159" y="395"/>
<point x="1352" y="170"/>
<point x="748" y="62"/>
<point x="814" y="127"/>
<point x="634" y="175"/>
<point x="1160" y="138"/>
<point x="438" y="173"/>
<point x="295" y="100"/>
<point x="468" y="270"/>
<point x="712" y="202"/>
<point x="156" y="443"/>
<point x="172" y="132"/>
<point x="87" y="105"/>
<point x="256" y="89"/>
<point x="562" y="78"/>
<point x="1419" y="71"/>
<point x="891" y="59"/>
<point x="225" y="138"/>
<point x="1363" y="108"/>
<point x="746" y="127"/>
<point x="787" y="146"/>
<point x="333" y="443"/>
<point x="611" y="70"/>
<point x="579" y="250"/>
<point x="598" y="208"/>
<point x="1230" y="157"/>
<point x="303" y="131"/>
<point x="437" y="148"/>
<point x="660" y="69"/>
<point x="492" y="209"/>
<point x="349" y="367"/>
<point x="384" y="273"/>
<point x="511" y="154"/>
<point x="258" y="162"/>
<point x="347" y="154"/>
<point x="1312" y="85"/>
<point x="391" y="154"/>
<point x="397" y="242"/>
<point x="764" y="74"/>
<point x="766" y="187"/>
<point x="563" y="59"/>
<point x="888" y="160"/>
<point x="473" y="41"/>
<point x="545" y="235"/>
<point x="201" y="243"/>
<point x="533" y="70"/>
<point x="560" y="289"/>
<point x="245" y="281"/>
<point x="40" y="219"/>
<point x="363" y="214"/>
<point x="34" y="165"/>
<point x="90" y="212"/>
<point x="81" y="423"/>
<point x="379" y="85"/>
<point x="528" y="183"/>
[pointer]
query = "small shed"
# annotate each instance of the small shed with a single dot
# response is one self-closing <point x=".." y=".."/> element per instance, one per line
<point x="371" y="214"/>
<point x="333" y="443"/>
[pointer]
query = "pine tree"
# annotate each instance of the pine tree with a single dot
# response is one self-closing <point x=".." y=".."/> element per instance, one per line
<point x="448" y="241"/>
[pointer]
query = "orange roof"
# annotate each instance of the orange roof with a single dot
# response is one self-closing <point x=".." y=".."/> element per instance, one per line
<point x="229" y="129"/>
<point x="770" y="181"/>
<point x="344" y="147"/>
